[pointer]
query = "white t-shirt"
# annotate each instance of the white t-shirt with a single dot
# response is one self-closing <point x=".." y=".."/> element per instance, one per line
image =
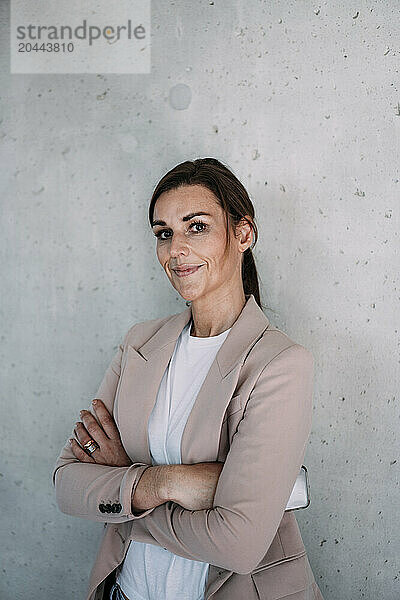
<point x="150" y="572"/>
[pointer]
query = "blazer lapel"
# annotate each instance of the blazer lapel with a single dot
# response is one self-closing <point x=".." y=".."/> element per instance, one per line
<point x="144" y="367"/>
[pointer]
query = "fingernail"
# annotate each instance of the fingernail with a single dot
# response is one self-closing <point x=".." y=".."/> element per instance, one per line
<point x="94" y="401"/>
<point x="81" y="413"/>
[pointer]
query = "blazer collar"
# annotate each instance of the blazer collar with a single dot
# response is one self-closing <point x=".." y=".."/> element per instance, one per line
<point x="145" y="365"/>
<point x="249" y="325"/>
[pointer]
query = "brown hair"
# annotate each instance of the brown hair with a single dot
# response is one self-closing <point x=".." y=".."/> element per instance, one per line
<point x="231" y="196"/>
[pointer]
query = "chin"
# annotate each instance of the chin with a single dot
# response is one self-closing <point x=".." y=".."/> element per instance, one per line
<point x="187" y="297"/>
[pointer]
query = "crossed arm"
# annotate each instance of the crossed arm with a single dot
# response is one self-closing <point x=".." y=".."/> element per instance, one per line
<point x="191" y="486"/>
<point x="108" y="476"/>
<point x="252" y="489"/>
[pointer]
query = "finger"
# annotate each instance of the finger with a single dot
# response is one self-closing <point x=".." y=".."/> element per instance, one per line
<point x="93" y="428"/>
<point x="83" y="437"/>
<point x="81" y="434"/>
<point x="79" y="453"/>
<point x="106" y="420"/>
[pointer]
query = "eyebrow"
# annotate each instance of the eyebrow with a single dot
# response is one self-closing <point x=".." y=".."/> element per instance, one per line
<point x="186" y="218"/>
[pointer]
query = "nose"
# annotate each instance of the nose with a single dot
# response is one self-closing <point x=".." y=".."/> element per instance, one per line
<point x="178" y="246"/>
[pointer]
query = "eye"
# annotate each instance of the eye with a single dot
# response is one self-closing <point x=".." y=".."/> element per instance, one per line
<point x="198" y="223"/>
<point x="158" y="234"/>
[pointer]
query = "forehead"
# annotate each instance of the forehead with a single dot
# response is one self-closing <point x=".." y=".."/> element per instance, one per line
<point x="185" y="199"/>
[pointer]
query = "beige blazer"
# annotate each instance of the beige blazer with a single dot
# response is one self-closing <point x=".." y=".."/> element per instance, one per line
<point x="253" y="412"/>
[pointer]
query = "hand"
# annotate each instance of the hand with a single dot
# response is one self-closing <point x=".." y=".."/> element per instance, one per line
<point x="193" y="486"/>
<point x="111" y="451"/>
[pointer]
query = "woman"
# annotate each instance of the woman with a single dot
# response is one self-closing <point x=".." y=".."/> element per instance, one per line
<point x="191" y="449"/>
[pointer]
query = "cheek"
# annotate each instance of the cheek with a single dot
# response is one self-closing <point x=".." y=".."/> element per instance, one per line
<point x="160" y="253"/>
<point x="163" y="258"/>
<point x="219" y="247"/>
<point x="214" y="259"/>
<point x="220" y="259"/>
<point x="211" y="246"/>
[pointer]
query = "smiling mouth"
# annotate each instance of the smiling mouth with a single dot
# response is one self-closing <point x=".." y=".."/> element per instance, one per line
<point x="188" y="271"/>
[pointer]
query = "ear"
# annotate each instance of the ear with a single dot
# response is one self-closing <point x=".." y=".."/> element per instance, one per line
<point x="244" y="233"/>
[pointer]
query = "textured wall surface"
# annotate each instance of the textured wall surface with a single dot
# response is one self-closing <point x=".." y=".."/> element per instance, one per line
<point x="302" y="101"/>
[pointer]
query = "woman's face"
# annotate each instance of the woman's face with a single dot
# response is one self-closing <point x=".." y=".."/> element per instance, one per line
<point x="187" y="238"/>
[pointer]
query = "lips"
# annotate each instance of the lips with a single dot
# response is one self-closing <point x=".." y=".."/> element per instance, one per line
<point x="186" y="272"/>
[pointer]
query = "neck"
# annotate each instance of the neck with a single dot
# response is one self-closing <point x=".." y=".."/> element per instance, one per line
<point x="212" y="318"/>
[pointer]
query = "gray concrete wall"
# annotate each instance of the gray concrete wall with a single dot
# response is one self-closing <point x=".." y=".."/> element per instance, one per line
<point x="302" y="101"/>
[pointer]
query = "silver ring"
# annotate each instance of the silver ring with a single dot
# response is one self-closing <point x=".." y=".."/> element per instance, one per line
<point x="91" y="446"/>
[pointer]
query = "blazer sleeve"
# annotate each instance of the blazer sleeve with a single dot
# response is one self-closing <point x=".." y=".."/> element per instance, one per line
<point x="257" y="478"/>
<point x="82" y="487"/>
